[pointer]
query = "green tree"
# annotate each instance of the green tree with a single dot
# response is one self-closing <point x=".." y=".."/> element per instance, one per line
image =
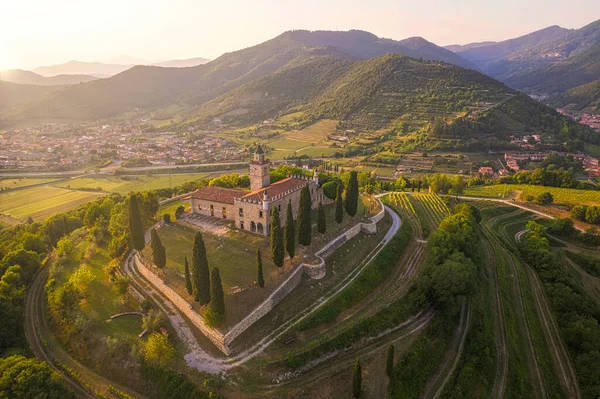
<point x="351" y="199"/>
<point x="158" y="349"/>
<point x="260" y="279"/>
<point x="290" y="231"/>
<point x="159" y="253"/>
<point x="321" y="220"/>
<point x="339" y="207"/>
<point x="357" y="380"/>
<point x="389" y="367"/>
<point x="305" y="217"/>
<point x="217" y="297"/>
<point x="592" y="214"/>
<point x="578" y="212"/>
<point x="277" y="249"/>
<point x="330" y="189"/>
<point x="200" y="272"/>
<point x="188" y="280"/>
<point x="136" y="228"/>
<point x="22" y="377"/>
<point x="545" y="198"/>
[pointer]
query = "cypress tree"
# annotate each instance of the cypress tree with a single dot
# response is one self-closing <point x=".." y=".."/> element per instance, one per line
<point x="321" y="220"/>
<point x="357" y="380"/>
<point x="188" y="280"/>
<point x="277" y="249"/>
<point x="351" y="201"/>
<point x="290" y="231"/>
<point x="304" y="217"/>
<point x="339" y="207"/>
<point x="200" y="273"/>
<point x="389" y="367"/>
<point x="159" y="253"/>
<point x="136" y="228"/>
<point x="260" y="279"/>
<point x="217" y="298"/>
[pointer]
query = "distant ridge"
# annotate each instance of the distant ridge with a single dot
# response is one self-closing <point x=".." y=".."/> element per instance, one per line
<point x="104" y="70"/>
<point x="30" y="78"/>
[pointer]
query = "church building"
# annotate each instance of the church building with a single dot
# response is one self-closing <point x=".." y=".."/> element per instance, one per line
<point x="251" y="211"/>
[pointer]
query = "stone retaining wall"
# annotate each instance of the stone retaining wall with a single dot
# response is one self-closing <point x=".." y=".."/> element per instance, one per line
<point x="266" y="306"/>
<point x="316" y="271"/>
<point x="215" y="336"/>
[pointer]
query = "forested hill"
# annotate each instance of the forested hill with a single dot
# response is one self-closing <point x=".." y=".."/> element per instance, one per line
<point x="571" y="83"/>
<point x="375" y="92"/>
<point x="148" y="88"/>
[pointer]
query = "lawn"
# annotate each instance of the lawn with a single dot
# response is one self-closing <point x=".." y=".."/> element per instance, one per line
<point x="7" y="184"/>
<point x="41" y="202"/>
<point x="520" y="192"/>
<point x="126" y="184"/>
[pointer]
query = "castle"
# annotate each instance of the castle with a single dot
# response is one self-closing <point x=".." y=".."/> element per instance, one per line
<point x="251" y="211"/>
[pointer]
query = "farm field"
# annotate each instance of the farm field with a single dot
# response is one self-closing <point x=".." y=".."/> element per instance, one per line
<point x="41" y="202"/>
<point x="126" y="184"/>
<point x="430" y="209"/>
<point x="8" y="184"/>
<point x="520" y="192"/>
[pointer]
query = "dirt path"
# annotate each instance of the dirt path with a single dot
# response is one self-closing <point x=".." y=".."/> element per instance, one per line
<point x="560" y="356"/>
<point x="344" y="359"/>
<point x="499" y="326"/>
<point x="435" y="385"/>
<point x="518" y="294"/>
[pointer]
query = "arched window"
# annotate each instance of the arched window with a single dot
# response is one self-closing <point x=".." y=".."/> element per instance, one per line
<point x="260" y="229"/>
<point x="252" y="227"/>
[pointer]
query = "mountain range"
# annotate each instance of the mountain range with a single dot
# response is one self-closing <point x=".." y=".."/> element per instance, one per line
<point x="31" y="78"/>
<point x="348" y="76"/>
<point x="563" y="64"/>
<point x="103" y="70"/>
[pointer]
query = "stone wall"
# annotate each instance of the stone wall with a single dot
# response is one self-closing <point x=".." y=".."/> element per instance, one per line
<point x="215" y="336"/>
<point x="316" y="271"/>
<point x="266" y="306"/>
<point x="202" y="207"/>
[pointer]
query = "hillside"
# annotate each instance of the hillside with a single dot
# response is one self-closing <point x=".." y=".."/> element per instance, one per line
<point x="502" y="59"/>
<point x="150" y="88"/>
<point x="561" y="76"/>
<point x="13" y="94"/>
<point x="190" y="62"/>
<point x="375" y="92"/>
<point x="30" y="78"/>
<point x="298" y="82"/>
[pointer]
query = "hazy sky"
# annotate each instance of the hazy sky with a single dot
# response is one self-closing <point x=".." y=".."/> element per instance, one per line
<point x="44" y="32"/>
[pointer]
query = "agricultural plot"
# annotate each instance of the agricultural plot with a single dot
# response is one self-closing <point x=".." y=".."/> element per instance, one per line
<point x="126" y="184"/>
<point x="522" y="191"/>
<point x="41" y="202"/>
<point x="9" y="184"/>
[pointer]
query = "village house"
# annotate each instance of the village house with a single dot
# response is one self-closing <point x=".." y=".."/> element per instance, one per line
<point x="251" y="211"/>
<point x="486" y="171"/>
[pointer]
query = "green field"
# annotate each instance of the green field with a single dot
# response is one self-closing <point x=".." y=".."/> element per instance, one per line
<point x="8" y="184"/>
<point x="521" y="191"/>
<point x="41" y="202"/>
<point x="233" y="253"/>
<point x="126" y="184"/>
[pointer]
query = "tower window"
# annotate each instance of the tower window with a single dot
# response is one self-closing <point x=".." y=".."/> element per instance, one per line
<point x="242" y="212"/>
<point x="260" y="214"/>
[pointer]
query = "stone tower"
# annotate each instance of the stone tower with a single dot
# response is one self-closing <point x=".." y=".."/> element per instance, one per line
<point x="259" y="170"/>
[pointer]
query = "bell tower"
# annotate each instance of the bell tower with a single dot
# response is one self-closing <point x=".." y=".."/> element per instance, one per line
<point x="259" y="170"/>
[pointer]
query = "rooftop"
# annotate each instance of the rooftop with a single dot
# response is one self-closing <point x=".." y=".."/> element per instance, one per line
<point x="276" y="189"/>
<point x="218" y="194"/>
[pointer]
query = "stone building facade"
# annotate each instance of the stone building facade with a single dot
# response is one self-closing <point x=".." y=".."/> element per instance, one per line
<point x="251" y="211"/>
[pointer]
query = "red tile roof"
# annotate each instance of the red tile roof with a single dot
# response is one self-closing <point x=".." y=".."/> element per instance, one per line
<point x="276" y="189"/>
<point x="218" y="194"/>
